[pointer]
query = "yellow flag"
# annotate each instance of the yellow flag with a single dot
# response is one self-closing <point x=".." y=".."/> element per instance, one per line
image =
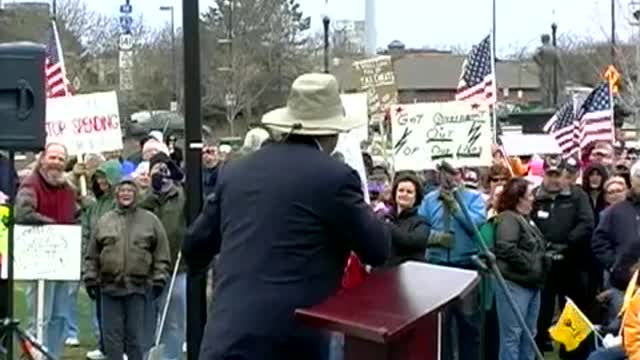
<point x="628" y="294"/>
<point x="572" y="328"/>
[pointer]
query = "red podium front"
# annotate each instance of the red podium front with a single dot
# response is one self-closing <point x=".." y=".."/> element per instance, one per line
<point x="394" y="314"/>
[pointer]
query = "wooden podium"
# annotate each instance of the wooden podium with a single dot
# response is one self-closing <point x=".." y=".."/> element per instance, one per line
<point x="394" y="314"/>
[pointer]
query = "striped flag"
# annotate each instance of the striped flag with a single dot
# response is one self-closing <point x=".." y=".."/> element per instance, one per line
<point x="477" y="81"/>
<point x="56" y="80"/>
<point x="562" y="126"/>
<point x="595" y="118"/>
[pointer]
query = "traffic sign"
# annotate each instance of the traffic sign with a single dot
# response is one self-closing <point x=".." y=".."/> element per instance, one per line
<point x="126" y="21"/>
<point x="126" y="9"/>
<point x="126" y="42"/>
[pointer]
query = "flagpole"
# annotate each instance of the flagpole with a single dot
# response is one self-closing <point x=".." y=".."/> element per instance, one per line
<point x="495" y="88"/>
<point x="613" y="122"/>
<point x="59" y="50"/>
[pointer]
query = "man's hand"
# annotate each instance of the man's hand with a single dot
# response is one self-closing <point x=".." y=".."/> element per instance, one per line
<point x="92" y="291"/>
<point x="604" y="296"/>
<point x="80" y="169"/>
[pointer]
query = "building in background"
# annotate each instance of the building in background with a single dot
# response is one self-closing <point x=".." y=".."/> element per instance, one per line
<point x="426" y="75"/>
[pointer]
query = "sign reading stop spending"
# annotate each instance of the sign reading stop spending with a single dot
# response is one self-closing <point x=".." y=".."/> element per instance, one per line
<point x="85" y="124"/>
<point x="425" y="134"/>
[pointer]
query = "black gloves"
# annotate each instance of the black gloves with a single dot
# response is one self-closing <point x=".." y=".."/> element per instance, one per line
<point x="92" y="291"/>
<point x="157" y="291"/>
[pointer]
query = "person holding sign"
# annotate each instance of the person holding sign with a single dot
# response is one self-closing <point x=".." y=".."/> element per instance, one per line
<point x="451" y="243"/>
<point x="46" y="198"/>
<point x="128" y="256"/>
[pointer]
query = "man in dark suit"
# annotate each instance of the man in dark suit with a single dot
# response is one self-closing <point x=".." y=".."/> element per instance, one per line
<point x="284" y="220"/>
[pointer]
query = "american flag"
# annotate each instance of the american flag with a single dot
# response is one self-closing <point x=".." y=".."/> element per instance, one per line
<point x="595" y="118"/>
<point x="57" y="84"/>
<point x="563" y="128"/>
<point x="477" y="81"/>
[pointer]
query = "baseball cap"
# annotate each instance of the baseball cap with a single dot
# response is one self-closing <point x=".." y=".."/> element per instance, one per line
<point x="553" y="163"/>
<point x="572" y="165"/>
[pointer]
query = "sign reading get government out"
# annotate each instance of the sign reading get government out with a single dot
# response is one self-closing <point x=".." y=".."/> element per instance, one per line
<point x="424" y="134"/>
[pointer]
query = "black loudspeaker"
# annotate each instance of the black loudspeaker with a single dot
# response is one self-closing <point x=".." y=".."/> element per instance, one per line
<point x="22" y="96"/>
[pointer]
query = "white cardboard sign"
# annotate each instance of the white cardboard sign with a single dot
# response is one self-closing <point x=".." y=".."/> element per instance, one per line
<point x="47" y="252"/>
<point x="85" y="124"/>
<point x="424" y="134"/>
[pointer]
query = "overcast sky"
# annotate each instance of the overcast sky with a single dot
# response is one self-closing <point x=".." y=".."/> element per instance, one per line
<point x="420" y="23"/>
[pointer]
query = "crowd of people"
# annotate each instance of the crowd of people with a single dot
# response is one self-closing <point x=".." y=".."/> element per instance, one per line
<point x="291" y="226"/>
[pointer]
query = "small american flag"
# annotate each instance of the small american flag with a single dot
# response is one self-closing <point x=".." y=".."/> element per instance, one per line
<point x="477" y="81"/>
<point x="563" y="128"/>
<point x="595" y="118"/>
<point x="57" y="84"/>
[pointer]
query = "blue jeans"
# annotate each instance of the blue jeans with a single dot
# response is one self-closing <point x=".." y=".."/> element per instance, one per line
<point x="336" y="349"/>
<point x="514" y="345"/>
<point x="614" y="353"/>
<point x="72" y="315"/>
<point x="461" y="328"/>
<point x="56" y="313"/>
<point x="173" y="334"/>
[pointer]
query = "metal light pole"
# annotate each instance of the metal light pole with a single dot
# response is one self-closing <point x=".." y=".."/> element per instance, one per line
<point x="229" y="97"/>
<point x="613" y="32"/>
<point x="325" y="24"/>
<point x="174" y="79"/>
<point x="196" y="283"/>
<point x="54" y="9"/>
<point x="554" y="31"/>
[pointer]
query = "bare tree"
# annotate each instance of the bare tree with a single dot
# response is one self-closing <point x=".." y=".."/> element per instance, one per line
<point x="263" y="54"/>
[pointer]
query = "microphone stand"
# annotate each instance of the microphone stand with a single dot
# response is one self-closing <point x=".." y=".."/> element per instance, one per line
<point x="488" y="260"/>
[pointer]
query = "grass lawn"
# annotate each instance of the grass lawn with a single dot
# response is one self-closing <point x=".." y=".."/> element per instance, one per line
<point x="87" y="339"/>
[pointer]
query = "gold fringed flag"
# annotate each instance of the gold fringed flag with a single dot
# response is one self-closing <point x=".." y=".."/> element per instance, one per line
<point x="572" y="328"/>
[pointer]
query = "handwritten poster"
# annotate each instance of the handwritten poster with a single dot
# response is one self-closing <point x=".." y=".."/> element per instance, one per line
<point x="349" y="149"/>
<point x="85" y="124"/>
<point x="378" y="80"/>
<point x="47" y="252"/>
<point x="355" y="106"/>
<point x="425" y="134"/>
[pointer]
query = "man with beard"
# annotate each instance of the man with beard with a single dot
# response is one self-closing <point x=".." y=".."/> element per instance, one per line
<point x="46" y="198"/>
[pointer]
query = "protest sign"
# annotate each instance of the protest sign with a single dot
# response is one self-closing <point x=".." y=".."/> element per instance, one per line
<point x="425" y="134"/>
<point x="349" y="148"/>
<point x="378" y="80"/>
<point x="355" y="106"/>
<point x="47" y="252"/>
<point x="85" y="124"/>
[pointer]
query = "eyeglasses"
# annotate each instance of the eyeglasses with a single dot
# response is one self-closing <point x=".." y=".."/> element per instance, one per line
<point x="208" y="151"/>
<point x="615" y="191"/>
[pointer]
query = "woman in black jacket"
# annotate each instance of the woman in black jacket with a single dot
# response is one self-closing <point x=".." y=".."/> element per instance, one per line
<point x="409" y="231"/>
<point x="520" y="254"/>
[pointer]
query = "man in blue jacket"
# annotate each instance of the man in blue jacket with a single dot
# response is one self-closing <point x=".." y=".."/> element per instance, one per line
<point x="284" y="220"/>
<point x="452" y="243"/>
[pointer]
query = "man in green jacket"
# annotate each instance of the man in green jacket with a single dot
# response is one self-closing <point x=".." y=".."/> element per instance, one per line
<point x="166" y="199"/>
<point x="102" y="184"/>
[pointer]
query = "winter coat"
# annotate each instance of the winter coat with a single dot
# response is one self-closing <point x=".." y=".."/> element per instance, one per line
<point x="39" y="203"/>
<point x="464" y="246"/>
<point x="284" y="220"/>
<point x="599" y="203"/>
<point x="100" y="205"/>
<point x="209" y="180"/>
<point x="128" y="252"/>
<point x="616" y="240"/>
<point x="566" y="221"/>
<point x="520" y="250"/>
<point x="170" y="209"/>
<point x="409" y="237"/>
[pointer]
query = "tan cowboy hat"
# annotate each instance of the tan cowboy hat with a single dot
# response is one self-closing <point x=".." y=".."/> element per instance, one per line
<point x="314" y="107"/>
